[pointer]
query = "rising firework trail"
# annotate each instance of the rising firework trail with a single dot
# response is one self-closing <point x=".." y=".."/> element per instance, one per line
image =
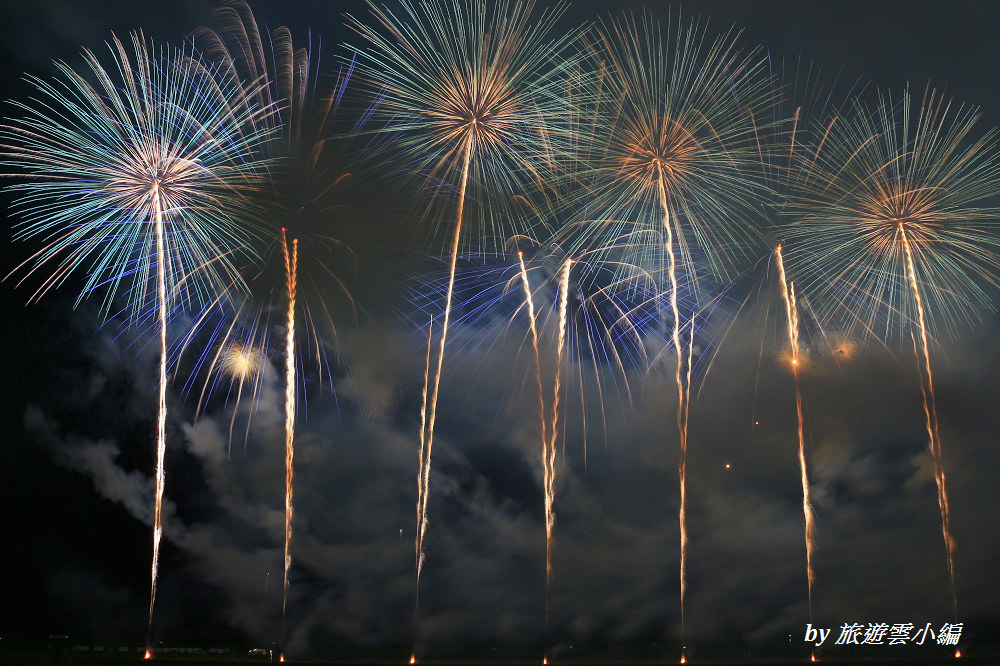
<point x="136" y="168"/>
<point x="291" y="269"/>
<point x="472" y="86"/>
<point x="546" y="458"/>
<point x="421" y="479"/>
<point x="428" y="438"/>
<point x="548" y="446"/>
<point x="930" y="415"/>
<point x="161" y="417"/>
<point x="683" y="387"/>
<point x="792" y="319"/>
<point x="550" y="480"/>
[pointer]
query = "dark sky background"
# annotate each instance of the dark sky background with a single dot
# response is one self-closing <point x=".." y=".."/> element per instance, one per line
<point x="78" y="422"/>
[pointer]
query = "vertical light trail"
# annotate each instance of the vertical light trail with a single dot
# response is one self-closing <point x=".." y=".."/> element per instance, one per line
<point x="550" y="488"/>
<point x="291" y="270"/>
<point x="682" y="391"/>
<point x="422" y="490"/>
<point x="538" y="372"/>
<point x="420" y="470"/>
<point x="792" y="317"/>
<point x="930" y="414"/>
<point x="546" y="472"/>
<point x="161" y="418"/>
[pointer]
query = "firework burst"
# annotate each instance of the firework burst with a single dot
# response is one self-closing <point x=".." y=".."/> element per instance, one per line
<point x="135" y="173"/>
<point x="889" y="210"/>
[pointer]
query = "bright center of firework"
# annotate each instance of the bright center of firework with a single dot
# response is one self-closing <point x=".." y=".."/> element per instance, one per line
<point x="148" y="655"/>
<point x="728" y="466"/>
<point x="240" y="361"/>
<point x="413" y="659"/>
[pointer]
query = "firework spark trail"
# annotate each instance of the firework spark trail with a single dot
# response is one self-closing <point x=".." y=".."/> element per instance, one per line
<point x="420" y="471"/>
<point x="426" y="462"/>
<point x="161" y="419"/>
<point x="550" y="490"/>
<point x="547" y="447"/>
<point x="538" y="375"/>
<point x="682" y="391"/>
<point x="930" y="413"/>
<point x="792" y="316"/>
<point x="291" y="269"/>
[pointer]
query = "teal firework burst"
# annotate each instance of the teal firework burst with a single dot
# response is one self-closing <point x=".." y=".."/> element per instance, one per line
<point x="105" y="151"/>
<point x="473" y="97"/>
<point x="677" y="145"/>
<point x="906" y="168"/>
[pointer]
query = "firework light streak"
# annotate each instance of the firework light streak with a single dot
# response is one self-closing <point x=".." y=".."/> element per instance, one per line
<point x="291" y="268"/>
<point x="792" y="318"/>
<point x="930" y="414"/>
<point x="418" y="542"/>
<point x="161" y="417"/>
<point x="683" y="388"/>
<point x="546" y="458"/>
<point x="550" y="481"/>
<point x="425" y="464"/>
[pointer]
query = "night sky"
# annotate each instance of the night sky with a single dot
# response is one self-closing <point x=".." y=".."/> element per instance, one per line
<point x="78" y="419"/>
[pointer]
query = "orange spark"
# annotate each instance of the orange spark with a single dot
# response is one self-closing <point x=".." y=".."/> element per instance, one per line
<point x="413" y="659"/>
<point x="148" y="655"/>
<point x="958" y="654"/>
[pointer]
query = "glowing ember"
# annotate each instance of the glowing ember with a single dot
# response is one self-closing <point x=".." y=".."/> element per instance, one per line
<point x="148" y="655"/>
<point x="728" y="466"/>
<point x="812" y="658"/>
<point x="413" y="659"/>
<point x="683" y="659"/>
<point x="545" y="661"/>
<point x="281" y="658"/>
<point x="958" y="654"/>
